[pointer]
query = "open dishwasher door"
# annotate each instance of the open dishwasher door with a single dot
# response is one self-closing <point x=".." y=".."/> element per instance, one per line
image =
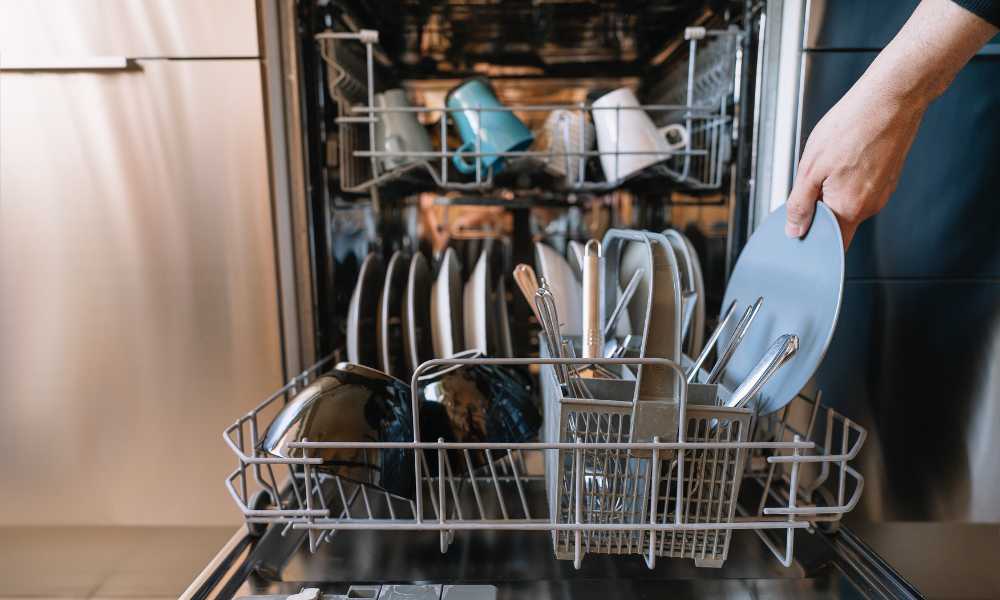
<point x="768" y="502"/>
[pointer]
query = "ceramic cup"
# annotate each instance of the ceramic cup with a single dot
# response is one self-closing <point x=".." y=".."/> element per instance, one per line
<point x="398" y="131"/>
<point x="567" y="132"/>
<point x="497" y="130"/>
<point x="624" y="127"/>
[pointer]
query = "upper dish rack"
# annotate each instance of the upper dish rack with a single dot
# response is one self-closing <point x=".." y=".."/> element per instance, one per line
<point x="687" y="506"/>
<point x="700" y="96"/>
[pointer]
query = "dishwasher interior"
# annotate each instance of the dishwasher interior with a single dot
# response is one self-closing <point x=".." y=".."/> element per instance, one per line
<point x="758" y="512"/>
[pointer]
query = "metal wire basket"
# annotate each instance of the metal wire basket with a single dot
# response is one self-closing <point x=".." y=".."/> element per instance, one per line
<point x="690" y="515"/>
<point x="703" y="108"/>
<point x="614" y="485"/>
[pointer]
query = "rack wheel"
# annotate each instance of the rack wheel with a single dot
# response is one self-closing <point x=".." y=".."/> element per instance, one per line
<point x="260" y="501"/>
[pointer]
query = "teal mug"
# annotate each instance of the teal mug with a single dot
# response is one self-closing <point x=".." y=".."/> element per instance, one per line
<point x="498" y="130"/>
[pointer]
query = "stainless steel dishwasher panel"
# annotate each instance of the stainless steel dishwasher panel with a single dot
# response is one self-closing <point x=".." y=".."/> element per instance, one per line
<point x="139" y="308"/>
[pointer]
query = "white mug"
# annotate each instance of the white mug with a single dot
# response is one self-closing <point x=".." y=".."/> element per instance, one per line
<point x="398" y="131"/>
<point x="563" y="136"/>
<point x="624" y="127"/>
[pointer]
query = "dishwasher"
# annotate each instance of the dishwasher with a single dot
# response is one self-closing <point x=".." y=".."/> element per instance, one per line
<point x="600" y="502"/>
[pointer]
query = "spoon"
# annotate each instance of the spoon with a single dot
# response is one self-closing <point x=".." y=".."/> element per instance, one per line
<point x="524" y="276"/>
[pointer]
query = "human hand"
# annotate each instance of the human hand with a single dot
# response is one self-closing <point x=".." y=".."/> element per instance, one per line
<point x="853" y="158"/>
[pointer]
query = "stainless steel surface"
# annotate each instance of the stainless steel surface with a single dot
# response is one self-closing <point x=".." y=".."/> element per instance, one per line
<point x="299" y="187"/>
<point x="132" y="28"/>
<point x="527" y="282"/>
<point x="593" y="300"/>
<point x="549" y="320"/>
<point x="351" y="403"/>
<point x="802" y="281"/>
<point x="776" y="111"/>
<point x="732" y="344"/>
<point x="137" y="259"/>
<point x="778" y="354"/>
<point x="695" y="369"/>
<point x="63" y="63"/>
<point x="532" y="572"/>
<point x="943" y="560"/>
<point x="281" y="94"/>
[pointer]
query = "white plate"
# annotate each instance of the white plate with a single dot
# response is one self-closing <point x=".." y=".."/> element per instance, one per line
<point x="565" y="287"/>
<point x="362" y="313"/>
<point x="417" y="342"/>
<point x="477" y="306"/>
<point x="505" y="345"/>
<point x="802" y="282"/>
<point x="391" y="354"/>
<point x="696" y="340"/>
<point x="446" y="307"/>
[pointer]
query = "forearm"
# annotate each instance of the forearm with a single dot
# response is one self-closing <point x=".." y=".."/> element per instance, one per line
<point x="855" y="154"/>
<point x="922" y="60"/>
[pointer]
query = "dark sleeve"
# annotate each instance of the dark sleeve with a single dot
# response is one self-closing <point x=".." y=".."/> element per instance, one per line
<point x="987" y="9"/>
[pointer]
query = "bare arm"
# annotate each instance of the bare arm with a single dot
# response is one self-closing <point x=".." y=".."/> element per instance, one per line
<point x="853" y="157"/>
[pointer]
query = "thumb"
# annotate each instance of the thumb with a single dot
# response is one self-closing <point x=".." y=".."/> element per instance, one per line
<point x="801" y="204"/>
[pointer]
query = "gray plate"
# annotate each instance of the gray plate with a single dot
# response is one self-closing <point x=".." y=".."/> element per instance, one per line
<point x="802" y="282"/>
<point x="363" y="313"/>
<point x="417" y="313"/>
<point x="389" y="322"/>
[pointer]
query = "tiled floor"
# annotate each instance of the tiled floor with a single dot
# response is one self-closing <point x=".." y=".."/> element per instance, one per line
<point x="138" y="563"/>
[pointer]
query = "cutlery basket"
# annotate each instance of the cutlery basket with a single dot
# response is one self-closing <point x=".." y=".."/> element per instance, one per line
<point x="611" y="487"/>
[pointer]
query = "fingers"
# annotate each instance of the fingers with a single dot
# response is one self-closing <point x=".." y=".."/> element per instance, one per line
<point x="847" y="231"/>
<point x="801" y="203"/>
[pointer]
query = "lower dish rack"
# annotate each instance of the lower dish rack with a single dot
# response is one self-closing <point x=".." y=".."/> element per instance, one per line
<point x="589" y="485"/>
